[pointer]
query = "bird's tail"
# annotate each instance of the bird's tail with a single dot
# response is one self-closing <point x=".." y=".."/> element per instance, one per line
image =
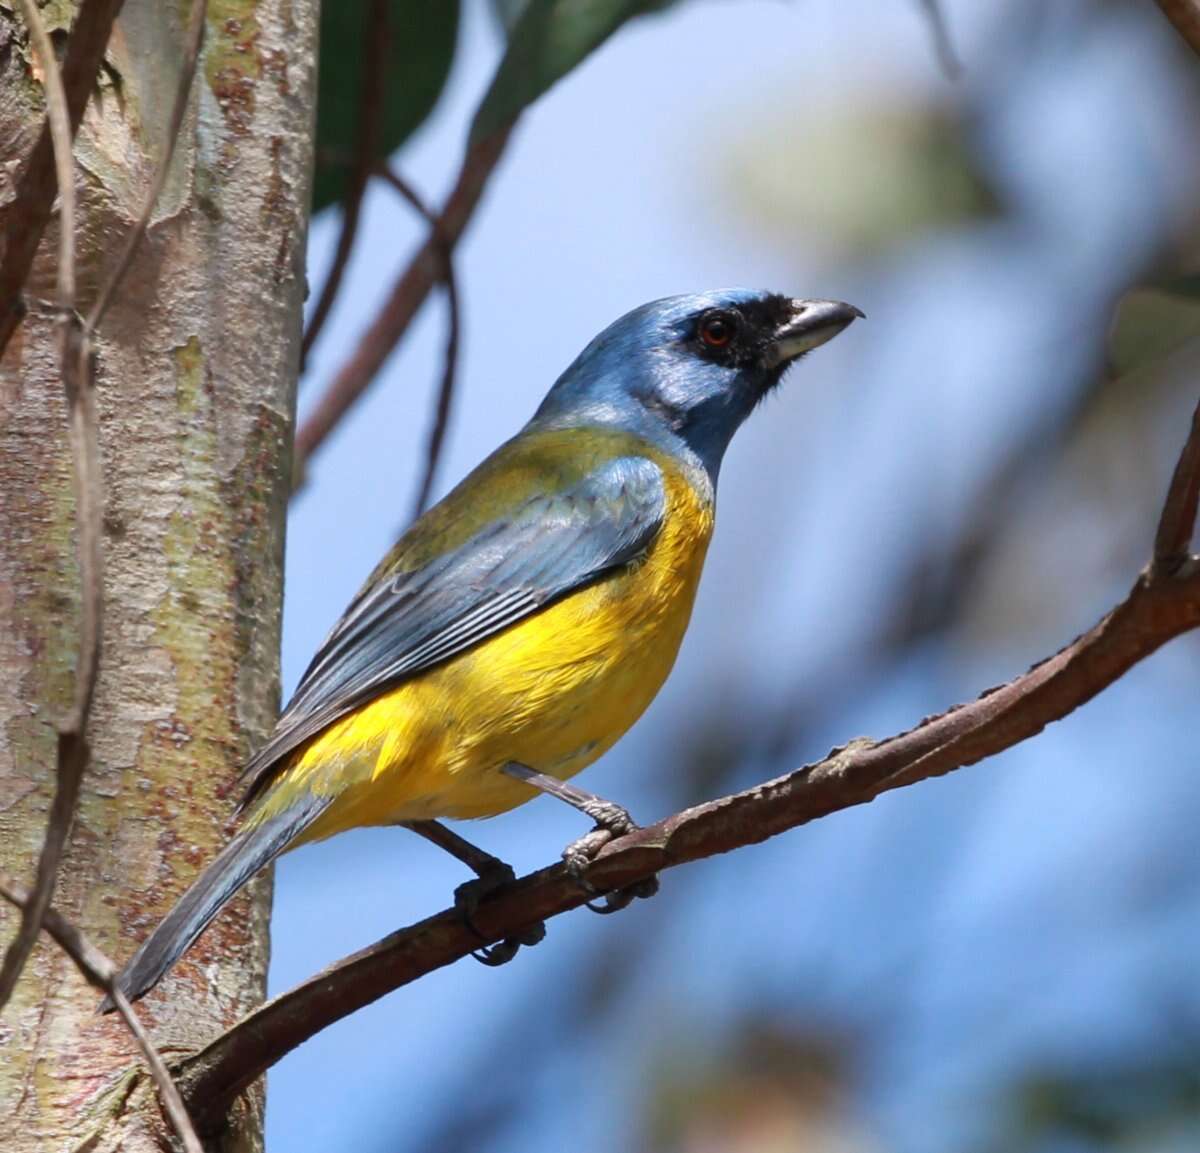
<point x="248" y="852"/>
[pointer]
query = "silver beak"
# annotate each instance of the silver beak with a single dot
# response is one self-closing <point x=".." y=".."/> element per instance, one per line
<point x="812" y="323"/>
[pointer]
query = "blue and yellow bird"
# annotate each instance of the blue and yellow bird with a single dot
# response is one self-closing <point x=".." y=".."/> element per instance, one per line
<point x="523" y="624"/>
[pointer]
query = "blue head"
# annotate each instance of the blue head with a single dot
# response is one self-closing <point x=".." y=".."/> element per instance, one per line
<point x="685" y="371"/>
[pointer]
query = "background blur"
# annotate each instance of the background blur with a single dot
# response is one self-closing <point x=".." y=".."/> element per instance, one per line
<point x="1004" y="959"/>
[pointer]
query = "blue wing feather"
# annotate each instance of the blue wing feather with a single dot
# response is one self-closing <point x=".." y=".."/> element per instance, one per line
<point x="407" y="622"/>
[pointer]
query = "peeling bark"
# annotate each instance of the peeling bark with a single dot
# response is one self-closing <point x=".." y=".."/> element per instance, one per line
<point x="195" y="382"/>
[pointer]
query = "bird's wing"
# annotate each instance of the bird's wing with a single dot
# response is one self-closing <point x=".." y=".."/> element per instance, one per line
<point x="406" y="622"/>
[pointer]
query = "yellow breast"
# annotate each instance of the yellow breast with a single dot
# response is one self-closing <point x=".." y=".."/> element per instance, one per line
<point x="553" y="692"/>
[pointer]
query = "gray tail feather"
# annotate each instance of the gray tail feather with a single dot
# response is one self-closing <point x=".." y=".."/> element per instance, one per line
<point x="248" y="852"/>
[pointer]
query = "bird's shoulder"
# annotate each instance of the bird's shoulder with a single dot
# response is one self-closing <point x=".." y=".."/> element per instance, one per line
<point x="533" y="464"/>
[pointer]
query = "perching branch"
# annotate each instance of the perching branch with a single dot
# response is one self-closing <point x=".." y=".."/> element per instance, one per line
<point x="407" y="296"/>
<point x="100" y="973"/>
<point x="1164" y="603"/>
<point x="375" y="52"/>
<point x="30" y="210"/>
<point x="441" y="418"/>
<point x="1185" y="15"/>
<point x="83" y="435"/>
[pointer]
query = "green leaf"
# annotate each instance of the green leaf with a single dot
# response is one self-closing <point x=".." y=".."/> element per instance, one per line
<point x="1152" y="323"/>
<point x="421" y="36"/>
<point x="546" y="40"/>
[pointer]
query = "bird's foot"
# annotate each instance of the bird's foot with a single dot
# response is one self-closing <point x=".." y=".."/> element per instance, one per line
<point x="611" y="821"/>
<point x="467" y="898"/>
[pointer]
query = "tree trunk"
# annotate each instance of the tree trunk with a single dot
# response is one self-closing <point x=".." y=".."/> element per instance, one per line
<point x="197" y="362"/>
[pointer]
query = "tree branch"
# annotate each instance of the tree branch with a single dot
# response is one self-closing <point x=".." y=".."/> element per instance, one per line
<point x="407" y="296"/>
<point x="30" y="210"/>
<point x="1177" y="524"/>
<point x="441" y="419"/>
<point x="1185" y="15"/>
<point x="375" y="51"/>
<point x="100" y="973"/>
<point x="1163" y="603"/>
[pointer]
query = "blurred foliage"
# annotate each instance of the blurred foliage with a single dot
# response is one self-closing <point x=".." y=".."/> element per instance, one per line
<point x="546" y="39"/>
<point x="1147" y="1107"/>
<point x="1152" y="323"/>
<point x="764" y="1090"/>
<point x="864" y="179"/>
<point x="1094" y="475"/>
<point x="507" y="12"/>
<point x="421" y="36"/>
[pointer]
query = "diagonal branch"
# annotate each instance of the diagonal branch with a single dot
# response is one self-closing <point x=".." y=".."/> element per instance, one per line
<point x="1185" y="15"/>
<point x="406" y="298"/>
<point x="100" y="973"/>
<point x="30" y="210"/>
<point x="1177" y="524"/>
<point x="375" y="51"/>
<point x="441" y="419"/>
<point x="1164" y="603"/>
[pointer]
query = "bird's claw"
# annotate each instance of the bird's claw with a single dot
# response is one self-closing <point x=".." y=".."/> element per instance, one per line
<point x="579" y="855"/>
<point x="467" y="898"/>
<point x="609" y="818"/>
<point x="504" y="951"/>
<point x="620" y="899"/>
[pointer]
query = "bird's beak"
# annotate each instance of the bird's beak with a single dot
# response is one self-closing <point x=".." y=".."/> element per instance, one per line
<point x="811" y="324"/>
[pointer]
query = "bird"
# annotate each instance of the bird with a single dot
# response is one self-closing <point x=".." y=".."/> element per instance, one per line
<point x="522" y="624"/>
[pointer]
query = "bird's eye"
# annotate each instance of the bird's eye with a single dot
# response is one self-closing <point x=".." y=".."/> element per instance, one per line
<point x="717" y="329"/>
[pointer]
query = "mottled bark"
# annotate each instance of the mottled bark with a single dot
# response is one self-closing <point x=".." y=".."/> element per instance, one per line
<point x="196" y="369"/>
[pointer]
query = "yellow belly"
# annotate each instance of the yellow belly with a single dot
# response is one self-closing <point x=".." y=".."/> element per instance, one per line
<point x="552" y="692"/>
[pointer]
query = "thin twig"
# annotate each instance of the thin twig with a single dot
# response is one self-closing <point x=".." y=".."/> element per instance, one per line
<point x="1164" y="603"/>
<point x="187" y="73"/>
<point x="1185" y="15"/>
<point x="59" y="119"/>
<point x="943" y="45"/>
<point x="100" y="973"/>
<point x="407" y="296"/>
<point x="82" y="433"/>
<point x="1177" y="524"/>
<point x="441" y="420"/>
<point x="375" y="52"/>
<point x="26" y="217"/>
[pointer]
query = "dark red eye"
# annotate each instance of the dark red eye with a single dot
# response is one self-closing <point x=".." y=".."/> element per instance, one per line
<point x="717" y="330"/>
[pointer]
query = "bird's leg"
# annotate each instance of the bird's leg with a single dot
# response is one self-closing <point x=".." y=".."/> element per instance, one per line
<point x="490" y="873"/>
<point x="611" y="821"/>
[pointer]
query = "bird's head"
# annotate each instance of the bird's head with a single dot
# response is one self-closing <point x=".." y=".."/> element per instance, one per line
<point x="691" y="368"/>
